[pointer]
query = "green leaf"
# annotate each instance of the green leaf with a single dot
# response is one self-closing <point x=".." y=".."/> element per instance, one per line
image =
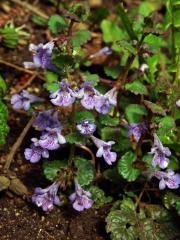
<point x="92" y="78"/>
<point x="135" y="112"/>
<point x="170" y="199"/>
<point x="51" y="81"/>
<point x="155" y="108"/>
<point x="152" y="63"/>
<point x="56" y="23"/>
<point x="154" y="42"/>
<point x="111" y="31"/>
<point x="108" y="120"/>
<point x="152" y="222"/>
<point x="126" y="22"/>
<point x="126" y="46"/>
<point x="38" y="20"/>
<point x="109" y="133"/>
<point x="125" y="167"/>
<point x="112" y="72"/>
<point x="146" y="8"/>
<point x="85" y="171"/>
<point x="82" y="115"/>
<point x="81" y="37"/>
<point x="99" y="197"/>
<point x="136" y="87"/>
<point x="4" y="128"/>
<point x="3" y="86"/>
<point x="52" y="168"/>
<point x="75" y="138"/>
<point x="9" y="36"/>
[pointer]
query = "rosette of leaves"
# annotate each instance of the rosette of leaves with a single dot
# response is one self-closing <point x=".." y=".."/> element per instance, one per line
<point x="152" y="222"/>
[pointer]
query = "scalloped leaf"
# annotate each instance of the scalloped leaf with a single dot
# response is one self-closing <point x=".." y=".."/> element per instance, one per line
<point x="4" y="128"/>
<point x="155" y="108"/>
<point x="135" y="112"/>
<point x="81" y="37"/>
<point x="85" y="171"/>
<point x="75" y="138"/>
<point x="136" y="87"/>
<point x="82" y="115"/>
<point x="52" y="168"/>
<point x="125" y="167"/>
<point x="99" y="197"/>
<point x="108" y="120"/>
<point x="56" y="23"/>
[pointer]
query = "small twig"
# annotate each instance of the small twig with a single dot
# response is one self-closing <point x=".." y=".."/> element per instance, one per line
<point x="89" y="151"/>
<point x="31" y="8"/>
<point x="21" y="69"/>
<point x="17" y="144"/>
<point x="140" y="195"/>
<point x="29" y="81"/>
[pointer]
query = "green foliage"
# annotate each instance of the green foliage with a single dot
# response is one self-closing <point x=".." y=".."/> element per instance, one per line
<point x="155" y="108"/>
<point x="108" y="120"/>
<point x="91" y="78"/>
<point x="153" y="222"/>
<point x="75" y="138"/>
<point x="56" y="24"/>
<point x="152" y="63"/>
<point x="82" y="115"/>
<point x="99" y="197"/>
<point x="111" y="31"/>
<point x="112" y="72"/>
<point x="38" y="20"/>
<point x="4" y="128"/>
<point x="136" y="87"/>
<point x="51" y="169"/>
<point x="51" y="81"/>
<point x="85" y="171"/>
<point x="125" y="167"/>
<point x="10" y="37"/>
<point x="126" y="22"/>
<point x="3" y="86"/>
<point x="81" y="37"/>
<point x="135" y="112"/>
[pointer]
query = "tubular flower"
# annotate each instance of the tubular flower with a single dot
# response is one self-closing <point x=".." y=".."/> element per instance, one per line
<point x="64" y="96"/>
<point x="81" y="199"/>
<point x="23" y="100"/>
<point x="35" y="152"/>
<point x="160" y="153"/>
<point x="41" y="56"/>
<point x="104" y="149"/>
<point x="86" y="127"/>
<point x="168" y="178"/>
<point x="101" y="52"/>
<point x="47" y="119"/>
<point x="46" y="198"/>
<point x="136" y="130"/>
<point x="51" y="139"/>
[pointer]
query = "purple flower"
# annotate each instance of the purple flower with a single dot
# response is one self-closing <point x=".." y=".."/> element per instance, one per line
<point x="64" y="96"/>
<point x="51" y="139"/>
<point x="41" y="56"/>
<point x="47" y="119"/>
<point x="136" y="130"/>
<point x="101" y="52"/>
<point x="160" y="153"/>
<point x="46" y="198"/>
<point x="81" y="199"/>
<point x="104" y="149"/>
<point x="168" y="178"/>
<point x="104" y="102"/>
<point x="87" y="93"/>
<point x="86" y="127"/>
<point x="23" y="100"/>
<point x="35" y="152"/>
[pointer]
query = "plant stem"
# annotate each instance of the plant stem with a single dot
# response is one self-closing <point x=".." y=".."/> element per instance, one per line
<point x="140" y="195"/>
<point x="17" y="144"/>
<point x="173" y="39"/>
<point x="72" y="148"/>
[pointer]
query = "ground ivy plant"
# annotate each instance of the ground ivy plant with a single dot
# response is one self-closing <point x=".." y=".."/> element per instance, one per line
<point x="125" y="132"/>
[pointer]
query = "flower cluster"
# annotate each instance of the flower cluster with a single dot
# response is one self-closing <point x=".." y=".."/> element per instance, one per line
<point x="50" y="139"/>
<point x="89" y="97"/>
<point x="160" y="158"/>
